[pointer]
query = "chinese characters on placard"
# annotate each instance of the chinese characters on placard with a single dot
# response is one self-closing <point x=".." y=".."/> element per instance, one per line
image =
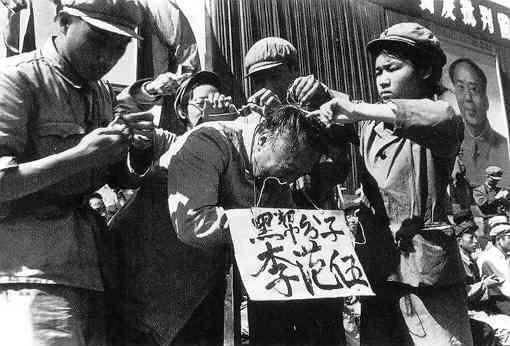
<point x="296" y="254"/>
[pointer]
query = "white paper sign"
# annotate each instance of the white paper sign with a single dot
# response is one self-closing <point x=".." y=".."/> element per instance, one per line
<point x="290" y="254"/>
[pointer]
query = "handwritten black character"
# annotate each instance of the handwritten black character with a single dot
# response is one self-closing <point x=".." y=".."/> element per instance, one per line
<point x="269" y="257"/>
<point x="332" y="232"/>
<point x="356" y="273"/>
<point x="262" y="222"/>
<point x="282" y="277"/>
<point x="310" y="275"/>
<point x="305" y="224"/>
<point x="277" y="266"/>
<point x="286" y="218"/>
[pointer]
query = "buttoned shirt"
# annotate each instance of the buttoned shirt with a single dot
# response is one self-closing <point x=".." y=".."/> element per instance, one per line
<point x="409" y="162"/>
<point x="489" y="148"/>
<point x="476" y="290"/>
<point x="45" y="108"/>
<point x="209" y="171"/>
<point x="404" y="173"/>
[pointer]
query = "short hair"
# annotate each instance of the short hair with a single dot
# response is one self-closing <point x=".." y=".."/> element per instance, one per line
<point x="420" y="60"/>
<point x="474" y="66"/>
<point x="299" y="130"/>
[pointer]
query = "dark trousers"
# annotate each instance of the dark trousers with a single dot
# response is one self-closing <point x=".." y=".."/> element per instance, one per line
<point x="318" y="322"/>
<point x="483" y="334"/>
<point x="203" y="328"/>
<point x="403" y="315"/>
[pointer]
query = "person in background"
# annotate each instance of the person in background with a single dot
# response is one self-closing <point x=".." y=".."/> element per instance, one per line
<point x="156" y="305"/>
<point x="461" y="191"/>
<point x="494" y="261"/>
<point x="272" y="66"/>
<point x="491" y="198"/>
<point x="408" y="145"/>
<point x="482" y="145"/>
<point x="488" y="325"/>
<point x="59" y="142"/>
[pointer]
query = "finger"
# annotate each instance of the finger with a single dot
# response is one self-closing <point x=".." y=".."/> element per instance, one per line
<point x="212" y="100"/>
<point x="113" y="128"/>
<point x="304" y="87"/>
<point x="138" y="116"/>
<point x="255" y="97"/>
<point x="141" y="125"/>
<point x="184" y="76"/>
<point x="291" y="92"/>
<point x="268" y="98"/>
<point x="306" y="96"/>
<point x="273" y="101"/>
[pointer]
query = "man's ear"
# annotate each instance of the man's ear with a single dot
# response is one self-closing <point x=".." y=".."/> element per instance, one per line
<point x="181" y="113"/>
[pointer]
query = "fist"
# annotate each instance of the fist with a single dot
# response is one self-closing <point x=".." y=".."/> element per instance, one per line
<point x="165" y="84"/>
<point x="307" y="90"/>
<point x="141" y="127"/>
<point x="105" y="145"/>
<point x="265" y="101"/>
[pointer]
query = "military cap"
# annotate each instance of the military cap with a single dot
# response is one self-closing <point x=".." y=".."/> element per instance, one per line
<point x="412" y="35"/>
<point x="497" y="220"/>
<point x="494" y="172"/>
<point x="464" y="223"/>
<point x="499" y="230"/>
<point x="117" y="16"/>
<point x="269" y="53"/>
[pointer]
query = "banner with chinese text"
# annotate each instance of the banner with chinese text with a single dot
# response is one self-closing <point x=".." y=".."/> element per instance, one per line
<point x="290" y="254"/>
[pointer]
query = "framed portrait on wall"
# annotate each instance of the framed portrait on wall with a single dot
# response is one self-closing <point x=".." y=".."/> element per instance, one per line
<point x="472" y="75"/>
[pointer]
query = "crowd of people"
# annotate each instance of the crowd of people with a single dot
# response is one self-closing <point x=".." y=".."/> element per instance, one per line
<point x="156" y="274"/>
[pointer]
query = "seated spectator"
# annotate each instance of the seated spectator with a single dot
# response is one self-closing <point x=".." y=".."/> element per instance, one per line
<point x="494" y="261"/>
<point x="486" y="322"/>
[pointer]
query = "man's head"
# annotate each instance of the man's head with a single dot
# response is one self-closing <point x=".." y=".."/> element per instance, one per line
<point x="192" y="94"/>
<point x="465" y="228"/>
<point x="286" y="145"/>
<point x="408" y="62"/>
<point x="470" y="85"/>
<point x="500" y="236"/>
<point x="494" y="175"/>
<point x="271" y="63"/>
<point x="95" y="33"/>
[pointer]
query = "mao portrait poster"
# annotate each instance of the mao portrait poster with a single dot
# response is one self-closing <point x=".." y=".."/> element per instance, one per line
<point x="472" y="76"/>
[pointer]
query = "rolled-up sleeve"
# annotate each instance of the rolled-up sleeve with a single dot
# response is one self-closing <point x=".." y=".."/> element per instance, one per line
<point x="433" y="124"/>
<point x="194" y="175"/>
<point x="15" y="105"/>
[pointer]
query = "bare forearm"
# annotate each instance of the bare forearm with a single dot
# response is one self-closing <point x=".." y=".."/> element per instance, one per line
<point x="30" y="177"/>
<point x="377" y="112"/>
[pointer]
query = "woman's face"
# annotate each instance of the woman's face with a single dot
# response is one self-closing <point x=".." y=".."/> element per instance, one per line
<point x="397" y="78"/>
<point x="197" y="102"/>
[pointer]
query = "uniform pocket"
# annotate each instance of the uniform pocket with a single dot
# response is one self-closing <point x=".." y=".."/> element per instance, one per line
<point x="54" y="137"/>
<point x="434" y="261"/>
